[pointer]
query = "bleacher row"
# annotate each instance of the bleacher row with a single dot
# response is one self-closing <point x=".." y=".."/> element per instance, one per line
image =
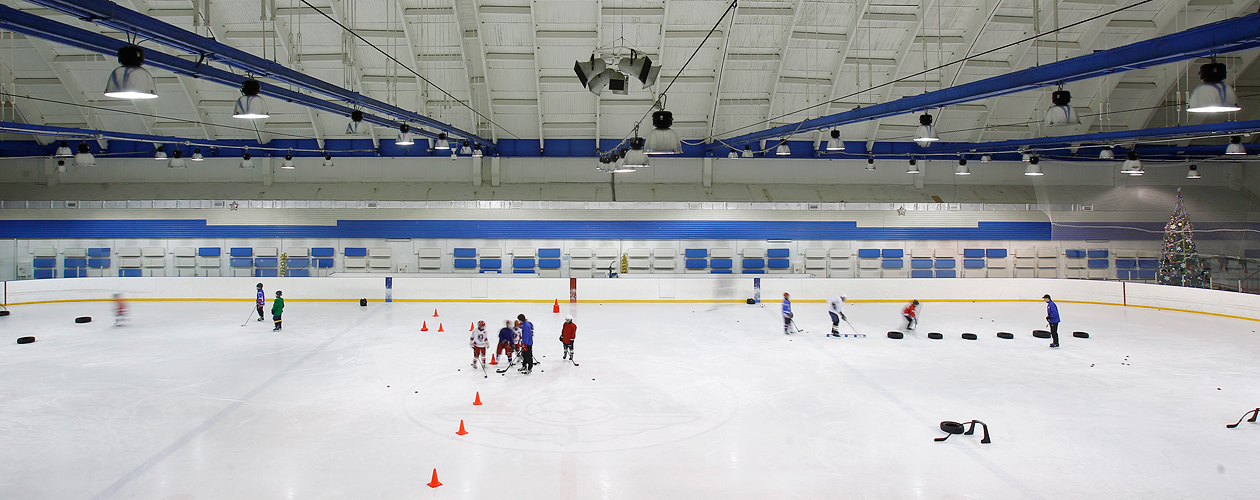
<point x="833" y="262"/>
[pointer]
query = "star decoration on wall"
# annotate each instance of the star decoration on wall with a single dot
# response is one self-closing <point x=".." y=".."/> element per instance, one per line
<point x="234" y="206"/>
<point x="902" y="210"/>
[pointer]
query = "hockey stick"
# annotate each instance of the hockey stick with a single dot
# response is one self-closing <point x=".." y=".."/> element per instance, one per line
<point x="798" y="329"/>
<point x="247" y="318"/>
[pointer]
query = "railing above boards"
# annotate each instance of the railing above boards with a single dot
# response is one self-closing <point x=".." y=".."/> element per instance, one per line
<point x="534" y="205"/>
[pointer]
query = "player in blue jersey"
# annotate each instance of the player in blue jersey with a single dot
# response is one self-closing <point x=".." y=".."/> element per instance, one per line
<point x="261" y="301"/>
<point x="787" y="314"/>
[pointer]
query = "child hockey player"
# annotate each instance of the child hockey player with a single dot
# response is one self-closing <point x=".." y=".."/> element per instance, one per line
<point x="909" y="314"/>
<point x="506" y="338"/>
<point x="1052" y="318"/>
<point x="277" y="309"/>
<point x="567" y="333"/>
<point x="527" y="344"/>
<point x="120" y="310"/>
<point x="787" y="314"/>
<point x="479" y="342"/>
<point x="261" y="301"/>
<point x="835" y="306"/>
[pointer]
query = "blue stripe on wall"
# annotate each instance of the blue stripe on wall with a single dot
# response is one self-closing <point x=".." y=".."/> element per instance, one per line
<point x="510" y="229"/>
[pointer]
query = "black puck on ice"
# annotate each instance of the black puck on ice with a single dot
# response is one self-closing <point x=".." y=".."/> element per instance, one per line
<point x="896" y="335"/>
<point x="1041" y="334"/>
<point x="1006" y="335"/>
<point x="83" y="319"/>
<point x="935" y="336"/>
<point x="27" y="340"/>
<point x="1080" y="335"/>
<point x="969" y="336"/>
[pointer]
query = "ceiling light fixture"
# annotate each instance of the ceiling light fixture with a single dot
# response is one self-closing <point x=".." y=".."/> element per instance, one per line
<point x="476" y="153"/>
<point x="1193" y="173"/>
<point x="177" y="160"/>
<point x="747" y="152"/>
<point x="985" y="158"/>
<point x="1033" y="167"/>
<point x="246" y="162"/>
<point x="782" y="149"/>
<point x="250" y="105"/>
<point x="913" y="168"/>
<point x="1107" y="154"/>
<point x="640" y="68"/>
<point x="663" y="140"/>
<point x="1026" y="157"/>
<point x="197" y="155"/>
<point x="328" y="161"/>
<point x="404" y="136"/>
<point x="962" y="168"/>
<point x="288" y="162"/>
<point x="1235" y="146"/>
<point x="441" y="142"/>
<point x="1213" y="95"/>
<point x="870" y="164"/>
<point x="160" y="154"/>
<point x="835" y="144"/>
<point x="926" y="133"/>
<point x="1131" y="164"/>
<point x="466" y="149"/>
<point x="131" y="80"/>
<point x="733" y="155"/>
<point x="635" y="157"/>
<point x="356" y="123"/>
<point x="84" y="158"/>
<point x="63" y="151"/>
<point x="1061" y="111"/>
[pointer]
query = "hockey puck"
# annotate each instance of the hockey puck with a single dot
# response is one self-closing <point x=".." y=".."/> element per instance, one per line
<point x="1080" y="335"/>
<point x="969" y="336"/>
<point x="935" y="336"/>
<point x="25" y="340"/>
<point x="896" y="335"/>
<point x="83" y="319"/>
<point x="1006" y="335"/>
<point x="1041" y="334"/>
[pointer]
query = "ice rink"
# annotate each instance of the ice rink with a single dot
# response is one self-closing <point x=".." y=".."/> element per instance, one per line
<point x="672" y="400"/>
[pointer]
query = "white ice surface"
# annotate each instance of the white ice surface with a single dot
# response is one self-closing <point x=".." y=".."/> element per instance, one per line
<point x="693" y="401"/>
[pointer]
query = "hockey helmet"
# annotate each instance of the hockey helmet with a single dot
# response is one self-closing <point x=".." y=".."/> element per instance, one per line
<point x="481" y="324"/>
<point x="568" y="318"/>
<point x="279" y="293"/>
<point x="517" y="324"/>
<point x="916" y="302"/>
<point x="259" y="285"/>
<point x="844" y="298"/>
<point x="785" y="295"/>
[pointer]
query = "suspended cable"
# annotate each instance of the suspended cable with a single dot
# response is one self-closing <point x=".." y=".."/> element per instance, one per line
<point x="150" y="115"/>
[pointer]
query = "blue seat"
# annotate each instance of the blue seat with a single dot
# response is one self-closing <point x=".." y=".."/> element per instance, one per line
<point x="524" y="263"/>
<point x="944" y="263"/>
<point x="74" y="273"/>
<point x="868" y="253"/>
<point x="299" y="273"/>
<point x="995" y="253"/>
<point x="298" y="263"/>
<point x="523" y="271"/>
<point x="465" y="252"/>
<point x="491" y="263"/>
<point x="973" y="263"/>
<point x="98" y="252"/>
<point x="1126" y="264"/>
<point x="720" y="271"/>
<point x="44" y="262"/>
<point x="1123" y="273"/>
<point x="549" y="263"/>
<point x="753" y="264"/>
<point x="892" y="253"/>
<point x="323" y="252"/>
<point x="921" y="273"/>
<point x="696" y="253"/>
<point x="1146" y="274"/>
<point x="946" y="273"/>
<point x="209" y="251"/>
<point x="920" y="263"/>
<point x="778" y="253"/>
<point x="323" y="263"/>
<point x="266" y="262"/>
<point x="98" y="263"/>
<point x="1148" y="264"/>
<point x="893" y="264"/>
<point x="721" y="263"/>
<point x="754" y="271"/>
<point x="129" y="273"/>
<point x="240" y="262"/>
<point x="1098" y="264"/>
<point x="74" y="262"/>
<point x="779" y="263"/>
<point x="355" y="251"/>
<point x="266" y="273"/>
<point x="465" y="263"/>
<point x="1075" y="254"/>
<point x="1097" y="253"/>
<point x="697" y="263"/>
<point x="548" y="253"/>
<point x="242" y="252"/>
<point x="43" y="274"/>
<point x="491" y="271"/>
<point x="973" y="253"/>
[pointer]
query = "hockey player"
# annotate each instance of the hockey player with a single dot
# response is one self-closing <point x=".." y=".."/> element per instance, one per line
<point x="567" y="333"/>
<point x="787" y="314"/>
<point x="527" y="344"/>
<point x="261" y="301"/>
<point x="1052" y="317"/>
<point x="835" y="306"/>
<point x="478" y="341"/>
<point x="277" y="309"/>
<point x="506" y="337"/>
<point x="909" y="314"/>
<point x="120" y="310"/>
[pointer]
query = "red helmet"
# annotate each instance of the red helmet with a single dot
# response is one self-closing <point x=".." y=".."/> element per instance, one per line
<point x="518" y="323"/>
<point x="481" y="324"/>
<point x="785" y="294"/>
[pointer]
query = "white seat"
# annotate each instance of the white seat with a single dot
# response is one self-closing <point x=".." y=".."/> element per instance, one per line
<point x="842" y="263"/>
<point x="44" y="252"/>
<point x="185" y="262"/>
<point x="815" y="264"/>
<point x="815" y="253"/>
<point x="868" y="264"/>
<point x="754" y="253"/>
<point x="184" y="252"/>
<point x="1025" y="262"/>
<point x="523" y="253"/>
<point x="664" y="253"/>
<point x="1075" y="263"/>
<point x="378" y="263"/>
<point x="1026" y="252"/>
<point x="75" y="252"/>
<point x="130" y="262"/>
<point x="945" y="253"/>
<point x="380" y="252"/>
<point x="579" y="263"/>
<point x="996" y="264"/>
<point x="607" y="253"/>
<point x="840" y="253"/>
<point x="1045" y="252"/>
<point x="297" y="252"/>
<point x="209" y="261"/>
<point x="921" y="253"/>
<point x="1051" y="263"/>
<point x="266" y="252"/>
<point x="721" y="253"/>
<point x="638" y="253"/>
<point x="152" y="262"/>
<point x="1125" y="254"/>
<point x="355" y="262"/>
<point x="580" y="253"/>
<point x="663" y="264"/>
<point x="129" y="252"/>
<point x="490" y="253"/>
<point x="429" y="253"/>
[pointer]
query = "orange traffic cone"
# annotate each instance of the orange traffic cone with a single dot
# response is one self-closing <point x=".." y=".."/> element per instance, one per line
<point x="461" y="428"/>
<point x="440" y="328"/>
<point x="435" y="313"/>
<point x="471" y="326"/>
<point x="555" y="308"/>
<point x="434" y="483"/>
<point x="477" y="402"/>
<point x="424" y="327"/>
<point x="492" y="360"/>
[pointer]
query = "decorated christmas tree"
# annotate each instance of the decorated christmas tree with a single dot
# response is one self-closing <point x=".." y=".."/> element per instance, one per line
<point x="1179" y="262"/>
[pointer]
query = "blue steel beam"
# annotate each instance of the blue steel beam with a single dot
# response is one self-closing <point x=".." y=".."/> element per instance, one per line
<point x="106" y="13"/>
<point x="1104" y="138"/>
<point x="1233" y="35"/>
<point x="53" y="31"/>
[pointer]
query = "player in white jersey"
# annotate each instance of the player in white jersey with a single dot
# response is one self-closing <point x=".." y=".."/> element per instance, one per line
<point x="835" y="307"/>
<point x="479" y="342"/>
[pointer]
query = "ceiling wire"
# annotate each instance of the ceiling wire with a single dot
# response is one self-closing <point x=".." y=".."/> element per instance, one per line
<point x="951" y="63"/>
